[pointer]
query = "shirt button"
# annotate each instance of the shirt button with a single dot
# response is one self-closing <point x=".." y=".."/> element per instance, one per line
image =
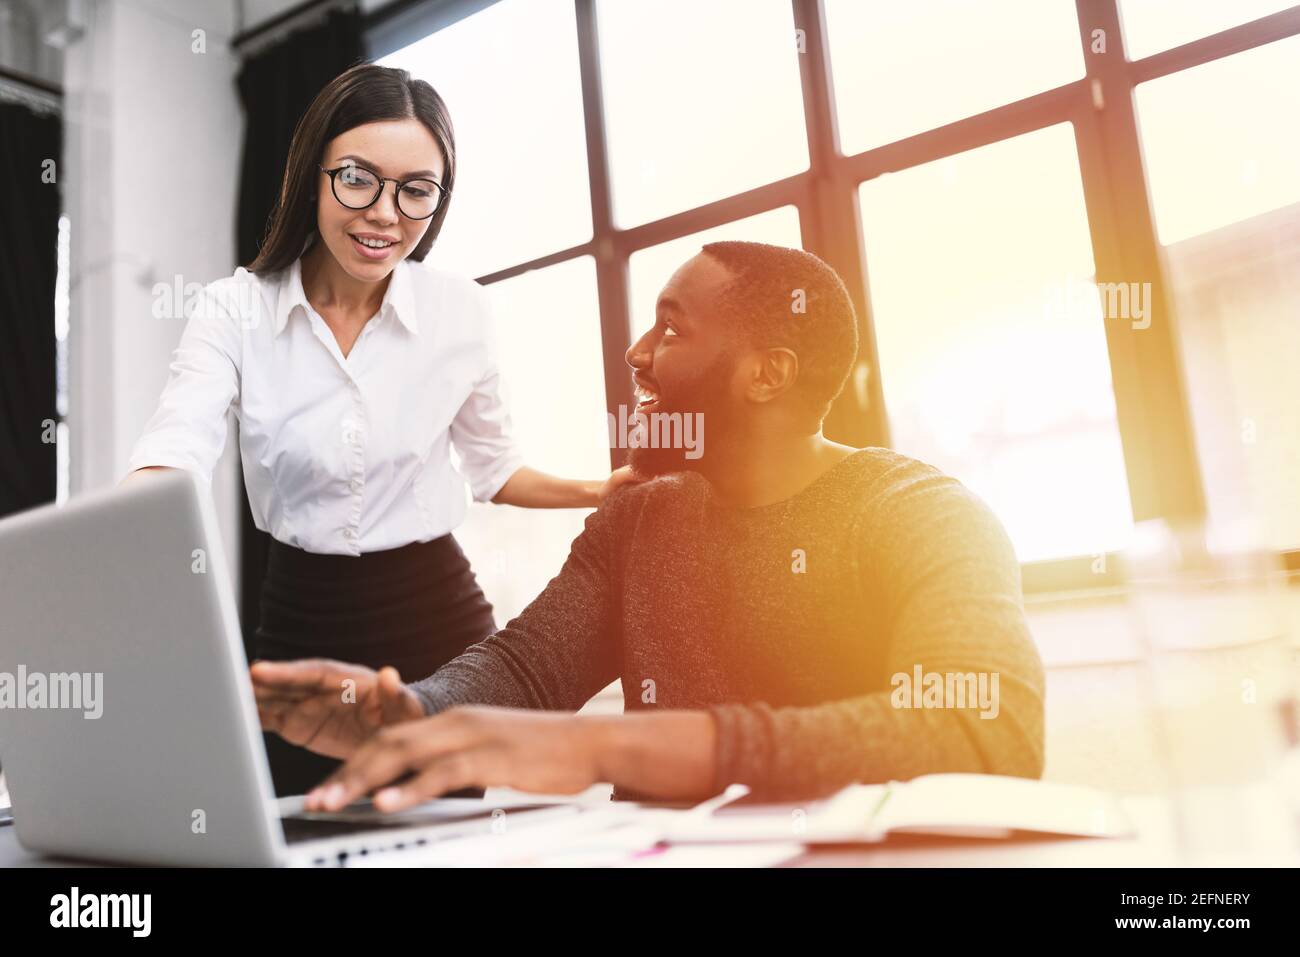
<point x="349" y="534"/>
<point x="355" y="485"/>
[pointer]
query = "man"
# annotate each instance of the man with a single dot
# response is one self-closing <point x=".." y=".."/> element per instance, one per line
<point x="766" y="604"/>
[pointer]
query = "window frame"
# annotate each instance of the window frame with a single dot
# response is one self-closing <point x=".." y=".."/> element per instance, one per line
<point x="1152" y="411"/>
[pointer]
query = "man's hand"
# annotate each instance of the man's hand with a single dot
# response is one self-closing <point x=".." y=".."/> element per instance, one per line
<point x="327" y="706"/>
<point x="547" y="752"/>
<point x="666" y="755"/>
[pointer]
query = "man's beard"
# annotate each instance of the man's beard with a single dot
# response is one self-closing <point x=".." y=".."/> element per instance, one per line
<point x="708" y="395"/>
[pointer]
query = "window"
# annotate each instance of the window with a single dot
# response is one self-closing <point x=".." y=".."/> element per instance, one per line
<point x="521" y="179"/>
<point x="1154" y="25"/>
<point x="702" y="101"/>
<point x="548" y="326"/>
<point x="558" y="406"/>
<point x="988" y="254"/>
<point x="1216" y="146"/>
<point x="651" y="268"/>
<point x="1224" y="168"/>
<point x="992" y="351"/>
<point x="904" y="68"/>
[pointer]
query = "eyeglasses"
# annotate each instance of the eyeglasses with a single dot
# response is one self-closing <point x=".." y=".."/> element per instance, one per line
<point x="359" y="188"/>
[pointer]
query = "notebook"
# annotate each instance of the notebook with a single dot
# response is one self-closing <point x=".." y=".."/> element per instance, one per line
<point x="959" y="805"/>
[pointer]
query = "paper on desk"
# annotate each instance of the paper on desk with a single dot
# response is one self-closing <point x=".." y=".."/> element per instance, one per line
<point x="590" y="837"/>
<point x="971" y="803"/>
<point x="974" y="805"/>
<point x="629" y="844"/>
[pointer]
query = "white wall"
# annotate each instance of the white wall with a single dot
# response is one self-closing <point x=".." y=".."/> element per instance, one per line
<point x="150" y="174"/>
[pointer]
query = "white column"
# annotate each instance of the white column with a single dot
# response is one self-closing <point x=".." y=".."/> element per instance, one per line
<point x="150" y="172"/>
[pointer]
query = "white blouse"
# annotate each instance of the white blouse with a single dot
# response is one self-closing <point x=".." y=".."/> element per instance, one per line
<point x="340" y="455"/>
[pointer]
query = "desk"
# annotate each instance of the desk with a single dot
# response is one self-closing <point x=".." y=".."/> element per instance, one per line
<point x="1153" y="846"/>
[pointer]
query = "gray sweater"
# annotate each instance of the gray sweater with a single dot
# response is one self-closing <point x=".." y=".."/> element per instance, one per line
<point x="787" y="622"/>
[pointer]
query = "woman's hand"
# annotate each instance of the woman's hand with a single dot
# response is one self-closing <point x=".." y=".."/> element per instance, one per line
<point x="529" y="488"/>
<point x="617" y="479"/>
<point x="330" y="707"/>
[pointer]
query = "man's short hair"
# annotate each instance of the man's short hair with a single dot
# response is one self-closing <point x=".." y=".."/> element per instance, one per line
<point x="782" y="297"/>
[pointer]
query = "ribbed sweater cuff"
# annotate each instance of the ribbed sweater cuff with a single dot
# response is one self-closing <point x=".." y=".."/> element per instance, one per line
<point x="432" y="698"/>
<point x="744" y="750"/>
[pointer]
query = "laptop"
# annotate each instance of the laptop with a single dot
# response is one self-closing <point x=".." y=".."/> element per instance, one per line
<point x="128" y="728"/>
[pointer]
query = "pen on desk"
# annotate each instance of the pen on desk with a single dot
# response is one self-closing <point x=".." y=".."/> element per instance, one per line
<point x="889" y="790"/>
<point x="734" y="792"/>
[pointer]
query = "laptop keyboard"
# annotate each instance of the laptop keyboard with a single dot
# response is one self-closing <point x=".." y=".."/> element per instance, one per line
<point x="298" y="828"/>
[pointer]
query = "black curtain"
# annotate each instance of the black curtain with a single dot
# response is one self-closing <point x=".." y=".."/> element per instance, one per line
<point x="29" y="232"/>
<point x="276" y="86"/>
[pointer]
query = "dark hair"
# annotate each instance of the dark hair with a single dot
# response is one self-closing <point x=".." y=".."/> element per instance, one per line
<point x="365" y="93"/>
<point x="790" y="298"/>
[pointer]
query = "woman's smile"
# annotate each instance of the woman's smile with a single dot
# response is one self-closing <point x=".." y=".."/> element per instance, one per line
<point x="373" y="246"/>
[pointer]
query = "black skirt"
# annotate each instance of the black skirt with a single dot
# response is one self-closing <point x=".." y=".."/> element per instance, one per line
<point x="415" y="608"/>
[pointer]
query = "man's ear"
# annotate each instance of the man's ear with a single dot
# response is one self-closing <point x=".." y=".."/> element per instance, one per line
<point x="774" y="373"/>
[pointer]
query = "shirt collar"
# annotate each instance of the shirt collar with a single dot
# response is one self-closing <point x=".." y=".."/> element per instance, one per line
<point x="398" y="299"/>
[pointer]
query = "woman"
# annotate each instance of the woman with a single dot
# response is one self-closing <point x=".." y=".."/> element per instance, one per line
<point x="354" y="369"/>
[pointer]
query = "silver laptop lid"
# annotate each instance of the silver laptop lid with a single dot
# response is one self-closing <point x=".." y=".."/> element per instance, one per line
<point x="128" y="728"/>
